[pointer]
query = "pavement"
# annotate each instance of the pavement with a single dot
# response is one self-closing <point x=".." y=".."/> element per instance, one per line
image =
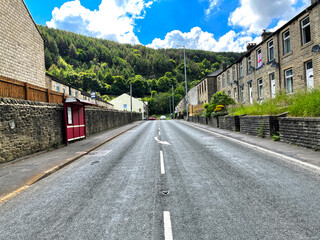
<point x="18" y="175"/>
<point x="296" y="154"/>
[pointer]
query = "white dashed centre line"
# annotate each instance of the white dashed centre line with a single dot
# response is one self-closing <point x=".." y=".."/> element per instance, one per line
<point x="162" y="163"/>
<point x="167" y="226"/>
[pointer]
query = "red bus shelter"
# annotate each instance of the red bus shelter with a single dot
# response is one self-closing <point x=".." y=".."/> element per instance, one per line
<point x="75" y="118"/>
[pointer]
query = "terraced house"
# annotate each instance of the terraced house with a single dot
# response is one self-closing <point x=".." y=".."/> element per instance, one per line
<point x="286" y="60"/>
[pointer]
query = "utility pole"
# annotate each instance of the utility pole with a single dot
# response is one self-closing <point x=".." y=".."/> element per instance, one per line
<point x="131" y="100"/>
<point x="170" y="104"/>
<point x="173" y="103"/>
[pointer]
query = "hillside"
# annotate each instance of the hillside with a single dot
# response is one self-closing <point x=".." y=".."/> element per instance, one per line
<point x="109" y="67"/>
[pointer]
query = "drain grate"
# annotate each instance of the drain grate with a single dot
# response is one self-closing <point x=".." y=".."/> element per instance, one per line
<point x="95" y="162"/>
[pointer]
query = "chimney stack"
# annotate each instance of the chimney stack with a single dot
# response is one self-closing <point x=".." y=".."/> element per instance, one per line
<point x="224" y="66"/>
<point x="265" y="34"/>
<point x="313" y="1"/>
<point x="250" y="46"/>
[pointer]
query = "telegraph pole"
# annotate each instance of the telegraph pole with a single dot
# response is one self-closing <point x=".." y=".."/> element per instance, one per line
<point x="131" y="100"/>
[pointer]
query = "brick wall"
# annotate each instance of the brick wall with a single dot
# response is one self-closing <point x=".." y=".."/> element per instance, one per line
<point x="21" y="45"/>
<point x="27" y="127"/>
<point x="303" y="132"/>
<point x="263" y="126"/>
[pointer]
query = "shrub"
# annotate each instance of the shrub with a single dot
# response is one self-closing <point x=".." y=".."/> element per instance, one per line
<point x="218" y="103"/>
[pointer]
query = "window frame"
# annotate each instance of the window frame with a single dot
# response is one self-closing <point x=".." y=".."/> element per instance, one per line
<point x="234" y="73"/>
<point x="303" y="31"/>
<point x="270" y="48"/>
<point x="290" y="91"/>
<point x="242" y="94"/>
<point x="259" y="50"/>
<point x="287" y="40"/>
<point x="241" y="69"/>
<point x="57" y="87"/>
<point x="249" y="63"/>
<point x="228" y="76"/>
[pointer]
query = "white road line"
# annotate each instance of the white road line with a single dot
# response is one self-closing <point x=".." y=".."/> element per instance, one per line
<point x="159" y="133"/>
<point x="161" y="142"/>
<point x="284" y="157"/>
<point x="162" y="163"/>
<point x="167" y="226"/>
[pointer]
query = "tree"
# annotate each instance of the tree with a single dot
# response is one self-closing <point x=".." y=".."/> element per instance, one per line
<point x="139" y="86"/>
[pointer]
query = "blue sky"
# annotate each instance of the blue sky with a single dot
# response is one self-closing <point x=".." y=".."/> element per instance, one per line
<point x="213" y="25"/>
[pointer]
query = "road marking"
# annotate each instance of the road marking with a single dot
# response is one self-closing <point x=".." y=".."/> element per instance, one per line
<point x="159" y="133"/>
<point x="162" y="163"/>
<point x="161" y="142"/>
<point x="167" y="226"/>
<point x="290" y="159"/>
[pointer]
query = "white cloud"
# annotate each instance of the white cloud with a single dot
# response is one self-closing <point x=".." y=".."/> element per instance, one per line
<point x="212" y="5"/>
<point x="114" y="20"/>
<point x="198" y="39"/>
<point x="256" y="15"/>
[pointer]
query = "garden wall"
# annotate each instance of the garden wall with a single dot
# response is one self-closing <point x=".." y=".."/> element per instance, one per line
<point x="28" y="127"/>
<point x="263" y="126"/>
<point x="230" y="123"/>
<point x="303" y="132"/>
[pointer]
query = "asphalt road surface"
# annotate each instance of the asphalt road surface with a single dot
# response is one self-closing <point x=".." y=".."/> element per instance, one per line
<point x="166" y="180"/>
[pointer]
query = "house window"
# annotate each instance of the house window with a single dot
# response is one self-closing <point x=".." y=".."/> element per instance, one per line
<point x="235" y="95"/>
<point x="77" y="94"/>
<point x="64" y="90"/>
<point x="259" y="58"/>
<point x="260" y="88"/>
<point x="271" y="50"/>
<point x="228" y="76"/>
<point x="229" y="93"/>
<point x="205" y="86"/>
<point x="286" y="42"/>
<point x="219" y="81"/>
<point x="241" y="69"/>
<point x="289" y="80"/>
<point x="223" y="80"/>
<point x="249" y="64"/>
<point x="58" y="87"/>
<point x="305" y="30"/>
<point x="234" y="73"/>
<point x="242" y="94"/>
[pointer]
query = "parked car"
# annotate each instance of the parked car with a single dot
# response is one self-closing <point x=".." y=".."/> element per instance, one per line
<point x="152" y="118"/>
<point x="163" y="117"/>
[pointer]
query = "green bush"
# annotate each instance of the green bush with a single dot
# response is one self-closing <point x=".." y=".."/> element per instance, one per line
<point x="219" y="98"/>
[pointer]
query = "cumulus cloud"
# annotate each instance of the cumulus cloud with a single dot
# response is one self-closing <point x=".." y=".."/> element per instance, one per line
<point x="256" y="15"/>
<point x="114" y="20"/>
<point x="198" y="39"/>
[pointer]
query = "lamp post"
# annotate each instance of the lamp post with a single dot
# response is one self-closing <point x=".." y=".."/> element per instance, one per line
<point x="172" y="103"/>
<point x="185" y="78"/>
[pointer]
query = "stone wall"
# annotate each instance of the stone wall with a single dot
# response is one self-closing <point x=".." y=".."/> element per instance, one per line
<point x="263" y="126"/>
<point x="21" y="45"/>
<point x="100" y="119"/>
<point x="28" y="127"/>
<point x="203" y="120"/>
<point x="303" y="132"/>
<point x="213" y="122"/>
<point x="230" y="123"/>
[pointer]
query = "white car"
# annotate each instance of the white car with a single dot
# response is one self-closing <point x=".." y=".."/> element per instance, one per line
<point x="163" y="117"/>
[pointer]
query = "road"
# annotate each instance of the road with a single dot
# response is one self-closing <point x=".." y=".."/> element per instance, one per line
<point x="166" y="180"/>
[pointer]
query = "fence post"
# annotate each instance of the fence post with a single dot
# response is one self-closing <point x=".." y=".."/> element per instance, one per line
<point x="27" y="90"/>
<point x="48" y="95"/>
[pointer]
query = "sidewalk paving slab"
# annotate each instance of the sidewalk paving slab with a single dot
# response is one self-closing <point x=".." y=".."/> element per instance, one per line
<point x="19" y="174"/>
<point x="302" y="154"/>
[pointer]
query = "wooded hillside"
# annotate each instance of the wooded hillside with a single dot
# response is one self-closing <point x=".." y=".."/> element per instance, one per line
<point x="109" y="67"/>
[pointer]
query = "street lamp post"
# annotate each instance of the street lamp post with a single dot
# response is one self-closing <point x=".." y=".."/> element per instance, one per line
<point x="185" y="78"/>
<point x="173" y="110"/>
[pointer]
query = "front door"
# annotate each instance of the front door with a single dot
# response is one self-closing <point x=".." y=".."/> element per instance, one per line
<point x="273" y="85"/>
<point x="250" y="93"/>
<point x="309" y="75"/>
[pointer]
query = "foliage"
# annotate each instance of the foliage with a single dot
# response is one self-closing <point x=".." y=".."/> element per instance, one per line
<point x="109" y="67"/>
<point x="218" y="103"/>
<point x="300" y="104"/>
<point x="276" y="137"/>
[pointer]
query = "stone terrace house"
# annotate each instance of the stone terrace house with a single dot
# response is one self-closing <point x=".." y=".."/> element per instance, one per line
<point x="21" y="45"/>
<point x="287" y="60"/>
<point x="207" y="87"/>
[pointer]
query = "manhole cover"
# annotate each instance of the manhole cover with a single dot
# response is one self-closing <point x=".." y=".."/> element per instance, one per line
<point x="164" y="192"/>
<point x="95" y="162"/>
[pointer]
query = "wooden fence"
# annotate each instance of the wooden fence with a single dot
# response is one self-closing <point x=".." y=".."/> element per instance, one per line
<point x="195" y="109"/>
<point x="10" y="88"/>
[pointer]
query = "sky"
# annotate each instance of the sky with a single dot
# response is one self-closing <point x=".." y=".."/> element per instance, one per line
<point x="212" y="25"/>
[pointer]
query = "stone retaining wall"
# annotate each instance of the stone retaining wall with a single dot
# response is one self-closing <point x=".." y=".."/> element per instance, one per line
<point x="213" y="122"/>
<point x="230" y="123"/>
<point x="300" y="131"/>
<point x="28" y="127"/>
<point x="262" y="126"/>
